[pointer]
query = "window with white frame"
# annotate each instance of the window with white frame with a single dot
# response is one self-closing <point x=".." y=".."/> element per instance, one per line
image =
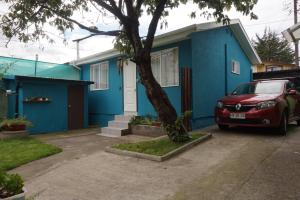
<point x="99" y="75"/>
<point x="235" y="68"/>
<point x="165" y="67"/>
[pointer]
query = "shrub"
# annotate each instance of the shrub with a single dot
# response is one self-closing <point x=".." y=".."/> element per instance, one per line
<point x="140" y="120"/>
<point x="16" y="121"/>
<point x="177" y="131"/>
<point x="10" y="185"/>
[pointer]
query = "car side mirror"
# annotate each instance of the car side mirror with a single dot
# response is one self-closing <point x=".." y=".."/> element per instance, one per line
<point x="292" y="92"/>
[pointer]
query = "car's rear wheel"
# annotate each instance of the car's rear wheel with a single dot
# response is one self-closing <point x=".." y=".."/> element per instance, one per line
<point x="282" y="129"/>
<point x="298" y="122"/>
<point x="223" y="127"/>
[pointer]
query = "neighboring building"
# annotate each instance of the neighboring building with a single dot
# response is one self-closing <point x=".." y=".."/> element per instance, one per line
<point x="55" y="99"/>
<point x="219" y="58"/>
<point x="269" y="66"/>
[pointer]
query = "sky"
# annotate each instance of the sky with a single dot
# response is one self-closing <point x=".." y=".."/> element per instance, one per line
<point x="272" y="14"/>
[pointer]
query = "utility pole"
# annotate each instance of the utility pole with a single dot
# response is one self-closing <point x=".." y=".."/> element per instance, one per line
<point x="77" y="49"/>
<point x="295" y="22"/>
<point x="35" y="65"/>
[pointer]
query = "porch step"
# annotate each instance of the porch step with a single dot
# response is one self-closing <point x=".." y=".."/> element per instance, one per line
<point x="118" y="124"/>
<point x="113" y="132"/>
<point x="125" y="118"/>
<point x="118" y="127"/>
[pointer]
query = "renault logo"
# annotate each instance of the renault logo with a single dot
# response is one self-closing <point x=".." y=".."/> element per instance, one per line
<point x="238" y="106"/>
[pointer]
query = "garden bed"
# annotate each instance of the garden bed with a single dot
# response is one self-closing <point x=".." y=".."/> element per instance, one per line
<point x="159" y="149"/>
<point x="16" y="152"/>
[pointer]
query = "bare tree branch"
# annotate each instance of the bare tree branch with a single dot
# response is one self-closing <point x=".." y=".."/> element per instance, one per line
<point x="139" y="4"/>
<point x="120" y="4"/>
<point x="112" y="9"/>
<point x="92" y="30"/>
<point x="153" y="24"/>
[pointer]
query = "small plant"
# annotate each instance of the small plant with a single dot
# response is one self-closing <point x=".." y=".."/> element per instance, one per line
<point x="10" y="185"/>
<point x="8" y="124"/>
<point x="177" y="131"/>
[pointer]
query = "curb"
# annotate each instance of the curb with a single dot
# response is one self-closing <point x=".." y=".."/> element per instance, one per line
<point x="159" y="158"/>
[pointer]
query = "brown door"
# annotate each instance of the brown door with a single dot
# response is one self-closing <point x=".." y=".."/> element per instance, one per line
<point x="75" y="107"/>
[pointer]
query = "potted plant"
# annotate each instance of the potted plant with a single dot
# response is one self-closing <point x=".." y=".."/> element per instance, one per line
<point x="11" y="187"/>
<point x="17" y="124"/>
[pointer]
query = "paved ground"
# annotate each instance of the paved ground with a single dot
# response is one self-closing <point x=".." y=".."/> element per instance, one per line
<point x="75" y="144"/>
<point x="239" y="164"/>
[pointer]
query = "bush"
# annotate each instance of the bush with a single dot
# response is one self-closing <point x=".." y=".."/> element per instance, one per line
<point x="16" y="121"/>
<point x="10" y="185"/>
<point x="140" y="120"/>
<point x="177" y="131"/>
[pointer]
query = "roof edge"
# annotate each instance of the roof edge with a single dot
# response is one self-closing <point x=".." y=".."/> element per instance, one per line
<point x="176" y="36"/>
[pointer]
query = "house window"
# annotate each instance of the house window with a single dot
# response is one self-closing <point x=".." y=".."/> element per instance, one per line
<point x="272" y="68"/>
<point x="99" y="75"/>
<point x="235" y="68"/>
<point x="165" y="67"/>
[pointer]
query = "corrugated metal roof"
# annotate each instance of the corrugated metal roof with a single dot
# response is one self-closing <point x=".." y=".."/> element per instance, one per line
<point x="23" y="67"/>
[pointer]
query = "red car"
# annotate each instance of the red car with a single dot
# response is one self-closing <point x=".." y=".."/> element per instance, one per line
<point x="272" y="103"/>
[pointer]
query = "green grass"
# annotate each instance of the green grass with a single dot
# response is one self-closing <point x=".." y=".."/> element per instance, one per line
<point x="16" y="152"/>
<point x="158" y="147"/>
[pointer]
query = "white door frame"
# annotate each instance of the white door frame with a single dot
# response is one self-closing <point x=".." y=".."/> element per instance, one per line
<point x="129" y="88"/>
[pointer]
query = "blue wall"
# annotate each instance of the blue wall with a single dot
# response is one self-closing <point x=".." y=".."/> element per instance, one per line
<point x="210" y="61"/>
<point x="174" y="92"/>
<point x="47" y="116"/>
<point x="105" y="104"/>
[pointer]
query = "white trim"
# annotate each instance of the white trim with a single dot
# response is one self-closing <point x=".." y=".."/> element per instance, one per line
<point x="107" y="76"/>
<point x="159" y="53"/>
<point x="98" y="57"/>
<point x="184" y="34"/>
<point x="233" y="70"/>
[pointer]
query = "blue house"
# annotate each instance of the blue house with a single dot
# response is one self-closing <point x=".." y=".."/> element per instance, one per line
<point x="195" y="65"/>
<point x="50" y="95"/>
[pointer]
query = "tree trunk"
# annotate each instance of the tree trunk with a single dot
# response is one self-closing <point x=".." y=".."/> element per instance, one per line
<point x="156" y="95"/>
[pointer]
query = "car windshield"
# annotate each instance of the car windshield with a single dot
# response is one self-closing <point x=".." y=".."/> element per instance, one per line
<point x="259" y="88"/>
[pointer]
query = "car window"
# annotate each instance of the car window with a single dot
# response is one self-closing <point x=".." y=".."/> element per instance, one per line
<point x="271" y="87"/>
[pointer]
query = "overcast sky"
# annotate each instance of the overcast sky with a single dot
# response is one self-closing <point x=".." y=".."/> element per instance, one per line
<point x="271" y="13"/>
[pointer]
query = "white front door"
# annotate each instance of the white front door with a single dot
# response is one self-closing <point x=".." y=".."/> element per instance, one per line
<point x="129" y="76"/>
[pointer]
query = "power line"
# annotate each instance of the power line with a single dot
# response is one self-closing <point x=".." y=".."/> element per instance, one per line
<point x="32" y="44"/>
<point x="269" y="22"/>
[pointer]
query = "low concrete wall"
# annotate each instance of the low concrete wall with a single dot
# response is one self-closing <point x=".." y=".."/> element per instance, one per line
<point x="13" y="134"/>
<point x="145" y="130"/>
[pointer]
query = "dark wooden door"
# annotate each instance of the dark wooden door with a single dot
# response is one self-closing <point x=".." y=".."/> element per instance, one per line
<point x="75" y="107"/>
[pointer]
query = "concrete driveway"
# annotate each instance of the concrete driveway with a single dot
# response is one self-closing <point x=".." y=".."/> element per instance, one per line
<point x="239" y="164"/>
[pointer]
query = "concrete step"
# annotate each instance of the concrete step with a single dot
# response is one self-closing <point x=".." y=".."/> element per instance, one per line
<point x="113" y="131"/>
<point x="125" y="118"/>
<point x="118" y="124"/>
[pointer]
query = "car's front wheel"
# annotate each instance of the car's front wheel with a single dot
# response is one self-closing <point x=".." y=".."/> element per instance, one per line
<point x="282" y="129"/>
<point x="223" y="127"/>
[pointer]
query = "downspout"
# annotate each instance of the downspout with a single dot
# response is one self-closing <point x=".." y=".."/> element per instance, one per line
<point x="226" y="70"/>
<point x="17" y="100"/>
